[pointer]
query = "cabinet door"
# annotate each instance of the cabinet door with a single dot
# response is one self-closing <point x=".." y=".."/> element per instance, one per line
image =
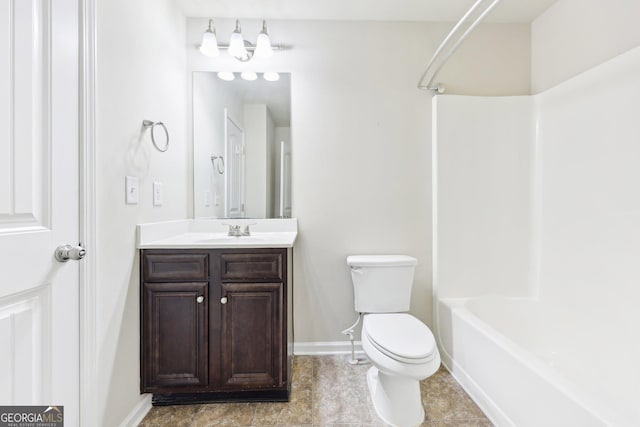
<point x="251" y="335"/>
<point x="175" y="336"/>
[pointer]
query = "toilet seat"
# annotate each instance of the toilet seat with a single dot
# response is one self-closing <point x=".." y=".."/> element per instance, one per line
<point x="401" y="337"/>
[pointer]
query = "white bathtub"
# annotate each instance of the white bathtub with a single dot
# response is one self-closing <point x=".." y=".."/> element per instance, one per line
<point x="529" y="364"/>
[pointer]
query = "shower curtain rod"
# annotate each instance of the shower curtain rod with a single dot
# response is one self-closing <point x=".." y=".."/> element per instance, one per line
<point x="439" y="88"/>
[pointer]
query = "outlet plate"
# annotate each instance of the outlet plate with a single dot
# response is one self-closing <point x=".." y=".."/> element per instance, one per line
<point x="158" y="194"/>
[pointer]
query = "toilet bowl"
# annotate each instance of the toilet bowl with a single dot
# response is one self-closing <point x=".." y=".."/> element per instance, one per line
<point x="402" y="351"/>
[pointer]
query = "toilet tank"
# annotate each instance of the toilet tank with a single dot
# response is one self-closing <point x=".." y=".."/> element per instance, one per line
<point x="382" y="283"/>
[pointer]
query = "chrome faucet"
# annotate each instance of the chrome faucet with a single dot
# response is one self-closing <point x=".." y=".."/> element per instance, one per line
<point x="234" y="230"/>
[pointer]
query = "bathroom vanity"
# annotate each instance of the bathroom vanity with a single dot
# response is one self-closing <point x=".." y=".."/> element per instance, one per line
<point x="215" y="316"/>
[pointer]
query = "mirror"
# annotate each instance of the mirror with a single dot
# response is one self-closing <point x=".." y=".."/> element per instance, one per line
<point x="241" y="147"/>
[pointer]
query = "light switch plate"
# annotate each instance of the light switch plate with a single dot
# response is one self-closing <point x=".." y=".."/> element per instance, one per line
<point x="131" y="190"/>
<point x="158" y="196"/>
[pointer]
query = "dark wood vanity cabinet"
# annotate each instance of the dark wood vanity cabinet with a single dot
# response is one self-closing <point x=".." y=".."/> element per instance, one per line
<point x="214" y="325"/>
<point x="176" y="337"/>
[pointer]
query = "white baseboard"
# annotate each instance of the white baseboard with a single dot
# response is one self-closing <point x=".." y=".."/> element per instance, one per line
<point x="138" y="412"/>
<point x="315" y="348"/>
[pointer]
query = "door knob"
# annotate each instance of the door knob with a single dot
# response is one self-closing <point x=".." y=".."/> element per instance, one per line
<point x="66" y="252"/>
<point x="223" y="300"/>
<point x="200" y="299"/>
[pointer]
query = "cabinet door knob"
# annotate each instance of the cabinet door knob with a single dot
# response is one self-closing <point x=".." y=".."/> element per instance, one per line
<point x="200" y="299"/>
<point x="223" y="300"/>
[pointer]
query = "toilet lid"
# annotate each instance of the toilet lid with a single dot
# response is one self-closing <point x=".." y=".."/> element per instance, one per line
<point x="400" y="336"/>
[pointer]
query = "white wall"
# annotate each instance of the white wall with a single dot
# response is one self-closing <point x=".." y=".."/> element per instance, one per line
<point x="588" y="129"/>
<point x="141" y="74"/>
<point x="572" y="36"/>
<point x="484" y="156"/>
<point x="361" y="143"/>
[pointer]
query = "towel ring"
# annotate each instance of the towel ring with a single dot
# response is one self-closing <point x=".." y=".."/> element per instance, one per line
<point x="218" y="166"/>
<point x="149" y="124"/>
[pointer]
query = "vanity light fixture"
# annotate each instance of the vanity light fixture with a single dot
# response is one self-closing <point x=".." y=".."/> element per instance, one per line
<point x="263" y="43"/>
<point x="238" y="47"/>
<point x="209" y="46"/>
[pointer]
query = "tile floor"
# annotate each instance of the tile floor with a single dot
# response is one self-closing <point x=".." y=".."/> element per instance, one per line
<point x="326" y="391"/>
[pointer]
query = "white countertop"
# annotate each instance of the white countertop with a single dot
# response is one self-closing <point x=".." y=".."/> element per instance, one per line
<point x="212" y="233"/>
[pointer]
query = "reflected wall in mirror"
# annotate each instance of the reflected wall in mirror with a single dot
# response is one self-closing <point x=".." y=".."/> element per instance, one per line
<point x="241" y="147"/>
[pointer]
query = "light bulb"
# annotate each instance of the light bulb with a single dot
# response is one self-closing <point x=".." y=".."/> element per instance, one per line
<point x="263" y="44"/>
<point x="236" y="44"/>
<point x="209" y="46"/>
<point x="249" y="75"/>
<point x="271" y="76"/>
<point x="227" y="76"/>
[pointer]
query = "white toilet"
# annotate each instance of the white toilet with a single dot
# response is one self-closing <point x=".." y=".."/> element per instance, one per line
<point x="401" y="348"/>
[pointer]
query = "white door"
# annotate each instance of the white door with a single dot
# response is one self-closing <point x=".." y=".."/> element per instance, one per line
<point x="234" y="201"/>
<point x="285" y="179"/>
<point x="39" y="208"/>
